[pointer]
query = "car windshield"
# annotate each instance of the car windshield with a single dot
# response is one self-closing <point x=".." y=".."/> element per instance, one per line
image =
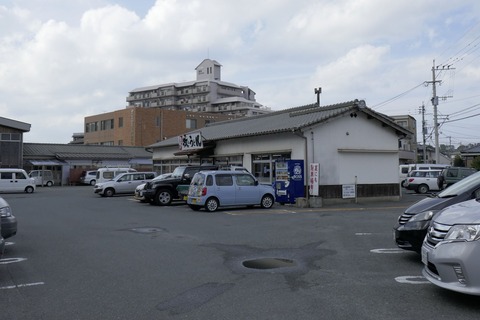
<point x="461" y="186"/>
<point x="178" y="172"/>
<point x="198" y="179"/>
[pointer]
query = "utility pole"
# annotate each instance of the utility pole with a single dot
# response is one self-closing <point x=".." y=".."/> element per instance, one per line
<point x="424" y="134"/>
<point x="435" y="104"/>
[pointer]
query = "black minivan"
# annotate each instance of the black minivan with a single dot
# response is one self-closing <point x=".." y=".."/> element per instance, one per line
<point x="413" y="224"/>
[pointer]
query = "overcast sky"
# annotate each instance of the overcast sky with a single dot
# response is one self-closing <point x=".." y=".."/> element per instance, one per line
<point x="61" y="61"/>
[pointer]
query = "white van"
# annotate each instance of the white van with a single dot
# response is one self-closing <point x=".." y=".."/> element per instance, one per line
<point x="405" y="169"/>
<point x="42" y="177"/>
<point x="16" y="180"/>
<point x="106" y="174"/>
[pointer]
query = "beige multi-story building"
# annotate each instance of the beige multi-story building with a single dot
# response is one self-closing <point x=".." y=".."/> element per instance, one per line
<point x="208" y="93"/>
<point x="136" y="126"/>
<point x="408" y="145"/>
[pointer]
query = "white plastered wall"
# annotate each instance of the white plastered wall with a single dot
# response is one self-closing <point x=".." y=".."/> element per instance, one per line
<point x="349" y="147"/>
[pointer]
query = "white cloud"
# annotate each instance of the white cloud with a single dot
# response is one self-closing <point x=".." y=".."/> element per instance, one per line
<point x="61" y="61"/>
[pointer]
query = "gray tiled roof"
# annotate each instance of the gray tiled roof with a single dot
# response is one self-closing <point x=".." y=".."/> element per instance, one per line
<point x="78" y="151"/>
<point x="285" y="121"/>
<point x="475" y="149"/>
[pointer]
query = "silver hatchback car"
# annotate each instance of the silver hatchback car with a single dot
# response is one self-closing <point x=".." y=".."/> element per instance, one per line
<point x="124" y="183"/>
<point x="214" y="189"/>
<point x="451" y="249"/>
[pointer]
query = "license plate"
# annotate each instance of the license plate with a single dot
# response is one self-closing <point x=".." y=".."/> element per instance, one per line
<point x="193" y="201"/>
<point x="185" y="198"/>
<point x="424" y="256"/>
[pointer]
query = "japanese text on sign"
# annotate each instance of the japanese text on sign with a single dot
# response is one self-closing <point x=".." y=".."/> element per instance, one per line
<point x="190" y="141"/>
<point x="313" y="181"/>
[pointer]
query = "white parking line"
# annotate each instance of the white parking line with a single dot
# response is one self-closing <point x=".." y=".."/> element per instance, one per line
<point x="391" y="250"/>
<point x="412" y="280"/>
<point x="22" y="285"/>
<point x="11" y="260"/>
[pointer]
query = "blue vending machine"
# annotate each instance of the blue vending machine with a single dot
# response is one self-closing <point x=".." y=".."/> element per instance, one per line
<point x="289" y="180"/>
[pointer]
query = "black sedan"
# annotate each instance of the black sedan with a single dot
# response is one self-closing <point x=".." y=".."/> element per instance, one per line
<point x="413" y="224"/>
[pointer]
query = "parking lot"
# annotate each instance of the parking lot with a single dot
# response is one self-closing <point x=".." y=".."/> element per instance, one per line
<point x="81" y="256"/>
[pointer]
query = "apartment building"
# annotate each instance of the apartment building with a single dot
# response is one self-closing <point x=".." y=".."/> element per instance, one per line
<point x="208" y="93"/>
<point x="137" y="126"/>
<point x="408" y="145"/>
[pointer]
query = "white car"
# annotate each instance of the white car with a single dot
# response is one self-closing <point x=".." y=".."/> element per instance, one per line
<point x="422" y="181"/>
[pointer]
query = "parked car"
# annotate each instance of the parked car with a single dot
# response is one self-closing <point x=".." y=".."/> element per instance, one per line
<point x="413" y="224"/>
<point x="8" y="220"/>
<point x="2" y="243"/>
<point x="163" y="192"/>
<point x="89" y="177"/>
<point x="214" y="189"/>
<point x="451" y="250"/>
<point x="108" y="173"/>
<point x="451" y="175"/>
<point x="405" y="169"/>
<point x="42" y="177"/>
<point x="124" y="183"/>
<point x="422" y="181"/>
<point x="139" y="189"/>
<point x="16" y="180"/>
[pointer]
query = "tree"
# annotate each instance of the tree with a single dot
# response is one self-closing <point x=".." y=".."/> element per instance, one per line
<point x="458" y="161"/>
<point x="476" y="163"/>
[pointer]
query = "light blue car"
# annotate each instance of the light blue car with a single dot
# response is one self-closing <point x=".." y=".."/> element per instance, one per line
<point x="214" y="189"/>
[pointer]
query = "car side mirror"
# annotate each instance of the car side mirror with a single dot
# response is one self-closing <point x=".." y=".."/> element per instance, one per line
<point x="256" y="183"/>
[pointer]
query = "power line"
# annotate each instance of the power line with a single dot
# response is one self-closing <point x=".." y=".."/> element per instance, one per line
<point x="395" y="97"/>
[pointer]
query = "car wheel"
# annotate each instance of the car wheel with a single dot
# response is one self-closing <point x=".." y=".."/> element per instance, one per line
<point x="403" y="184"/>
<point x="211" y="205"/>
<point x="194" y="207"/>
<point x="49" y="183"/>
<point x="29" y="189"/>
<point x="109" y="192"/>
<point x="92" y="182"/>
<point x="163" y="197"/>
<point x="423" y="188"/>
<point x="267" y="202"/>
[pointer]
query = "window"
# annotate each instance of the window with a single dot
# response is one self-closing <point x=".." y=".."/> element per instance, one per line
<point x="120" y="122"/>
<point x="106" y="124"/>
<point x="245" y="180"/>
<point x="126" y="177"/>
<point x="149" y="176"/>
<point x="209" y="181"/>
<point x="191" y="124"/>
<point x="10" y="137"/>
<point x="19" y="176"/>
<point x="224" y="180"/>
<point x="6" y="175"/>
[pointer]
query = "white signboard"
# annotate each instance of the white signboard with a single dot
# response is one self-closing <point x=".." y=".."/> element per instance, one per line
<point x="313" y="180"/>
<point x="348" y="191"/>
<point x="190" y="141"/>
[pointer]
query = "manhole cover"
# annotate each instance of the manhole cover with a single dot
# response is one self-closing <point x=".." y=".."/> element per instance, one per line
<point x="269" y="263"/>
<point x="146" y="230"/>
